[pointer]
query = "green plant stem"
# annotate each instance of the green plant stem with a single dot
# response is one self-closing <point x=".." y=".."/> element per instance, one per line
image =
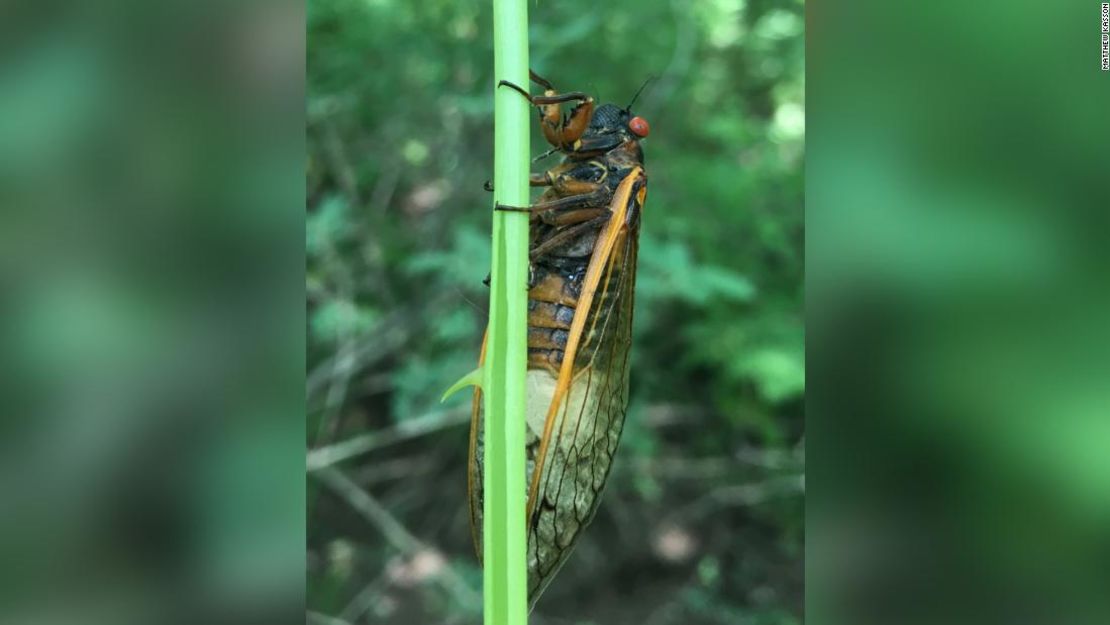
<point x="505" y="587"/>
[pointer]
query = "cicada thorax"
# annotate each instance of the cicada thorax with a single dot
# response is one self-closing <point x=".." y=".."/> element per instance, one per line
<point x="583" y="243"/>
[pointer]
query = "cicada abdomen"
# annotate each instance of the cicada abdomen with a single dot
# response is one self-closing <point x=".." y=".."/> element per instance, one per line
<point x="584" y="239"/>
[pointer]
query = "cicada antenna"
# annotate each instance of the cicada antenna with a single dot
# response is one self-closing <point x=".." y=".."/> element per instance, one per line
<point x="638" y="92"/>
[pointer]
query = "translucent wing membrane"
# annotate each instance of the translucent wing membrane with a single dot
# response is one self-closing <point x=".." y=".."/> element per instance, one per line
<point x="570" y="450"/>
<point x="586" y="413"/>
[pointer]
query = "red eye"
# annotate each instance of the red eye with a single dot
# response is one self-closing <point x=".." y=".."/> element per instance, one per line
<point x="639" y="126"/>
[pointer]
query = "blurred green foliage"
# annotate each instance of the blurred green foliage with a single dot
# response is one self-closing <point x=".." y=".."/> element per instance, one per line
<point x="956" y="211"/>
<point x="150" y="233"/>
<point x="702" y="519"/>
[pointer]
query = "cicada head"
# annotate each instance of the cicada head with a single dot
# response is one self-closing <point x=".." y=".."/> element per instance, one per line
<point x="612" y="121"/>
<point x="611" y="128"/>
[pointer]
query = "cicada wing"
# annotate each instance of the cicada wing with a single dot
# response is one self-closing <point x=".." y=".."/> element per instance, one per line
<point x="585" y="405"/>
<point x="587" y="408"/>
<point x="541" y="388"/>
<point x="476" y="460"/>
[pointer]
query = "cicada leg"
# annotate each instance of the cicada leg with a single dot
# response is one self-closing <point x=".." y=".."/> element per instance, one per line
<point x="576" y="200"/>
<point x="579" y="222"/>
<point x="540" y="80"/>
<point x="559" y="132"/>
<point x="534" y="180"/>
<point x="549" y="206"/>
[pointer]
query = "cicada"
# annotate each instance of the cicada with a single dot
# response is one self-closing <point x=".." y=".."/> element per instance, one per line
<point x="584" y="232"/>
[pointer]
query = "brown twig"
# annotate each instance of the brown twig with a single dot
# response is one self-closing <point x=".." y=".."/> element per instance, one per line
<point x="394" y="532"/>
<point x="410" y="428"/>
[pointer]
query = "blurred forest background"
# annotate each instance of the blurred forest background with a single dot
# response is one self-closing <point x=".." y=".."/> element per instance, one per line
<point x="702" y="520"/>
